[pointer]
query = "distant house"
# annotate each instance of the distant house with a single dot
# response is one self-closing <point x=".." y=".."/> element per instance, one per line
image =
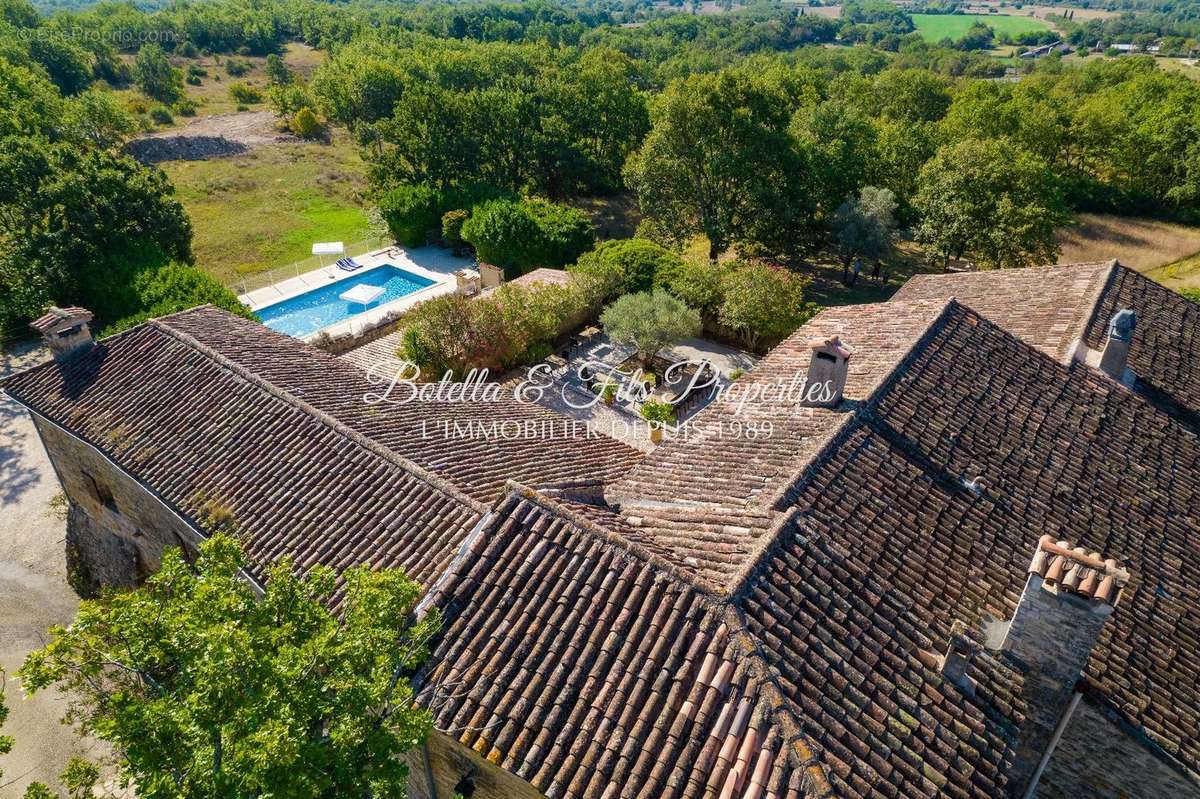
<point x="968" y="570"/>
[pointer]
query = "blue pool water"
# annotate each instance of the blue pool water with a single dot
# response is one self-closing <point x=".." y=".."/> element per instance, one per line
<point x="309" y="312"/>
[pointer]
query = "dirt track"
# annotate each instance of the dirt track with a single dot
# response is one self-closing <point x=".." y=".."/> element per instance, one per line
<point x="210" y="137"/>
<point x="33" y="593"/>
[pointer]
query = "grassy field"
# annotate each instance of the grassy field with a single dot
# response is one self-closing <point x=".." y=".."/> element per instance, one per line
<point x="212" y="95"/>
<point x="1144" y="244"/>
<point x="266" y="208"/>
<point x="1183" y="274"/>
<point x="935" y="27"/>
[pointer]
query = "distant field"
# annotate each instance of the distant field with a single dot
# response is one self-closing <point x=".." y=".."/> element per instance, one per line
<point x="266" y="208"/>
<point x="935" y="27"/>
<point x="1166" y="252"/>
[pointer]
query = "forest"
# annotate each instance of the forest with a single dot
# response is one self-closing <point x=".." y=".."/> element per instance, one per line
<point x="765" y="132"/>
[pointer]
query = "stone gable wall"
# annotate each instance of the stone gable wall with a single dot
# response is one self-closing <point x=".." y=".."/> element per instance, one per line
<point x="116" y="529"/>
<point x="450" y="761"/>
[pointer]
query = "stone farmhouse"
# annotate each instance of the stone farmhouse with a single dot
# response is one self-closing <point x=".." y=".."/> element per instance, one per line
<point x="974" y="572"/>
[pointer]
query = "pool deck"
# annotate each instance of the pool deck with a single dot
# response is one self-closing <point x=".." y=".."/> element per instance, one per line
<point x="432" y="263"/>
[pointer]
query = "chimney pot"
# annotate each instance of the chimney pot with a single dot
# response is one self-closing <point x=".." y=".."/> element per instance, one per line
<point x="1116" y="348"/>
<point x="65" y="330"/>
<point x="827" y="369"/>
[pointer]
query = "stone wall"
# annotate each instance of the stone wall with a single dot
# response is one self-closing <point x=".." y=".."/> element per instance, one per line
<point x="116" y="529"/>
<point x="1052" y="634"/>
<point x="1095" y="758"/>
<point x="451" y="762"/>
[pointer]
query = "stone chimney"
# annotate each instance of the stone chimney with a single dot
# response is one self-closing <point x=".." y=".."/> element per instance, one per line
<point x="1069" y="595"/>
<point x="826" y="372"/>
<point x="65" y="331"/>
<point x="1116" y="348"/>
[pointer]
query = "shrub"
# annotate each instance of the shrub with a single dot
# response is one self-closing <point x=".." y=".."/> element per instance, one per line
<point x="161" y="115"/>
<point x="236" y="68"/>
<point x="452" y="224"/>
<point x="649" y="321"/>
<point x="506" y="234"/>
<point x="566" y="233"/>
<point x="764" y="304"/>
<point x="515" y="325"/>
<point x="305" y="124"/>
<point x="187" y="49"/>
<point x="244" y="94"/>
<point x="175" y="287"/>
<point x="658" y="413"/>
<point x="410" y="211"/>
<point x="185" y="107"/>
<point x="597" y="280"/>
<point x="521" y="235"/>
<point x="639" y="261"/>
<point x="696" y="281"/>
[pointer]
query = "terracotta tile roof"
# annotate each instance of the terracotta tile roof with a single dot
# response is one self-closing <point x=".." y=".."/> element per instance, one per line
<point x="553" y="453"/>
<point x="56" y="316"/>
<point x="1046" y="306"/>
<point x="708" y="502"/>
<point x="543" y="276"/>
<point x="1052" y="307"/>
<point x="1063" y="451"/>
<point x="584" y="664"/>
<point x="206" y="407"/>
<point x="196" y="432"/>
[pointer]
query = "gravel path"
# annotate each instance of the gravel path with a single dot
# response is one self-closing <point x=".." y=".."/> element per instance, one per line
<point x="33" y="592"/>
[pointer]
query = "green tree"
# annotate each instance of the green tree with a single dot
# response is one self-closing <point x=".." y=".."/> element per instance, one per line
<point x="764" y="304"/>
<point x="155" y="76"/>
<point x="174" y="287"/>
<point x="989" y="200"/>
<point x="719" y="161"/>
<point x="279" y="73"/>
<point x="68" y="65"/>
<point x="100" y="119"/>
<point x="79" y="225"/>
<point x="204" y="688"/>
<point x="864" y="226"/>
<point x="650" y="322"/>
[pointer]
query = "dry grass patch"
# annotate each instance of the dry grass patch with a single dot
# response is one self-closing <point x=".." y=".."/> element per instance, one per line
<point x="1143" y="244"/>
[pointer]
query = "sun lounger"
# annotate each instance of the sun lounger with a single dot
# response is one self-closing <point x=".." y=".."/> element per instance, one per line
<point x="348" y="264"/>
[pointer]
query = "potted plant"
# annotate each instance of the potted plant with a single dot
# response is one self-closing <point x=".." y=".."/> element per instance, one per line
<point x="607" y="391"/>
<point x="658" y="414"/>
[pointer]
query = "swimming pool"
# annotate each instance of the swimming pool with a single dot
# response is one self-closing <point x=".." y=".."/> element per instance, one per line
<point x="313" y="310"/>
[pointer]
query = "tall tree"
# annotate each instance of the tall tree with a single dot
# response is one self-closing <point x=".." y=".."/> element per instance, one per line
<point x="204" y="688"/>
<point x="155" y="76"/>
<point x="864" y="226"/>
<point x="719" y="161"/>
<point x="992" y="201"/>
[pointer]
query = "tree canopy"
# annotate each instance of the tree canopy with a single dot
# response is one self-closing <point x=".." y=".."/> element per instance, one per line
<point x="204" y="688"/>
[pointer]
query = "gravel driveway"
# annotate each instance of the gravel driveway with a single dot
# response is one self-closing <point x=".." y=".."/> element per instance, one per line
<point x="33" y="592"/>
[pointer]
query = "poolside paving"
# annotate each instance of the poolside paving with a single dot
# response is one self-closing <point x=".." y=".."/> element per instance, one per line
<point x="433" y="263"/>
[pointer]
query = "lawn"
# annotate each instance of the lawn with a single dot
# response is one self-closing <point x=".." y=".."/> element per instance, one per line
<point x="935" y="27"/>
<point x="266" y="208"/>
